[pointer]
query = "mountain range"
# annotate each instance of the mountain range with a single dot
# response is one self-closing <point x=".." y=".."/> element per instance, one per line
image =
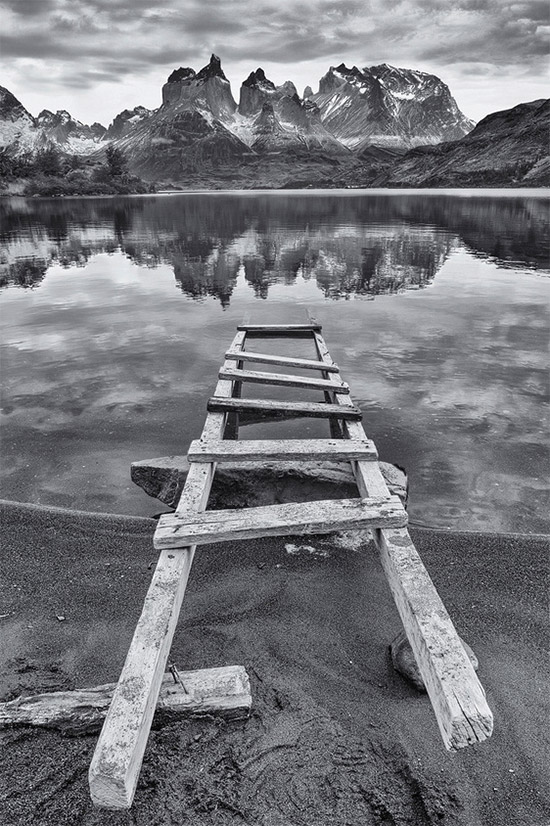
<point x="378" y="125"/>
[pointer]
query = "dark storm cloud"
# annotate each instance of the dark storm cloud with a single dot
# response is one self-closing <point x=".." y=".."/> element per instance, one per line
<point x="29" y="8"/>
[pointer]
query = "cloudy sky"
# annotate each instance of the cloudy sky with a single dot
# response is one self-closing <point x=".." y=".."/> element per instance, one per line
<point x="97" y="57"/>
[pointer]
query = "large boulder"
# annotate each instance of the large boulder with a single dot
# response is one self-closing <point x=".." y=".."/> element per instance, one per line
<point x="241" y="485"/>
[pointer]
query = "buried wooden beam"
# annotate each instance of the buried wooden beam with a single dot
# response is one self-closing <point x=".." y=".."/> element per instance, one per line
<point x="456" y="695"/>
<point x="117" y="759"/>
<point x="314" y="410"/>
<point x="223" y="692"/>
<point x="289" y="519"/>
<point x="264" y="450"/>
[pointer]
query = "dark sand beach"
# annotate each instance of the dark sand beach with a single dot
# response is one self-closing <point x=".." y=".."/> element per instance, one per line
<point x="336" y="736"/>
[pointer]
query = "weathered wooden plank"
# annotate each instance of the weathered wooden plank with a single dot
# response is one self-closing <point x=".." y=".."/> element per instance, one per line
<point x="117" y="759"/>
<point x="314" y="410"/>
<point x="221" y="691"/>
<point x="281" y="361"/>
<point x="282" y="379"/>
<point x="456" y="695"/>
<point x="262" y="450"/>
<point x="289" y="519"/>
<point x="280" y="329"/>
<point x="455" y="692"/>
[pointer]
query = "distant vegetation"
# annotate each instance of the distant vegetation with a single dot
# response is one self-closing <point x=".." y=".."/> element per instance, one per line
<point x="53" y="173"/>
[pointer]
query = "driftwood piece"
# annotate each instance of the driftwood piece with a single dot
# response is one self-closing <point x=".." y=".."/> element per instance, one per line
<point x="293" y="518"/>
<point x="221" y="692"/>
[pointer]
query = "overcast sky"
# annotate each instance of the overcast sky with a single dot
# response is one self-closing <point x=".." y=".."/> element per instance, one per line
<point x="98" y="57"/>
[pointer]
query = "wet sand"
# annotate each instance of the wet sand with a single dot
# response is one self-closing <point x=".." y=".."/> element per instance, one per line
<point x="336" y="736"/>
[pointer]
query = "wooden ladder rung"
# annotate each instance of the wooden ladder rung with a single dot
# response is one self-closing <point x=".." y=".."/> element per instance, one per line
<point x="283" y="361"/>
<point x="282" y="379"/>
<point x="315" y="410"/>
<point x="280" y="329"/>
<point x="178" y="530"/>
<point x="287" y="450"/>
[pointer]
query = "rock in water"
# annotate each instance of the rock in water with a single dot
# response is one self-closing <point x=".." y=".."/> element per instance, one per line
<point x="266" y="483"/>
<point x="404" y="662"/>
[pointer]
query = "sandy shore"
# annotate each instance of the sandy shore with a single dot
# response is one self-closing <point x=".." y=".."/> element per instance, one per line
<point x="336" y="737"/>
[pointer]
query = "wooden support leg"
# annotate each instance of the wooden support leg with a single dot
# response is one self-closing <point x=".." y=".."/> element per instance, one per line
<point x="231" y="430"/>
<point x="456" y="695"/>
<point x="117" y="759"/>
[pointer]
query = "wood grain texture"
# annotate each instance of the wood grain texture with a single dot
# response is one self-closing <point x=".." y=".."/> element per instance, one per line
<point x="280" y="329"/>
<point x="262" y="450"/>
<point x="222" y="692"/>
<point x="456" y="695"/>
<point x="281" y="379"/>
<point x="314" y="410"/>
<point x="294" y="518"/>
<point x="116" y="763"/>
<point x="281" y="361"/>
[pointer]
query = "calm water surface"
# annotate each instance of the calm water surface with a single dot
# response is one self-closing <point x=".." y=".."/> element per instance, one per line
<point x="116" y="314"/>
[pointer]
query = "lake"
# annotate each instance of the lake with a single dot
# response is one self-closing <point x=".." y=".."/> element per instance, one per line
<point x="116" y="313"/>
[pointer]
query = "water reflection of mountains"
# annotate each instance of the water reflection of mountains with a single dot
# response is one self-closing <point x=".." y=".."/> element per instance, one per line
<point x="351" y="245"/>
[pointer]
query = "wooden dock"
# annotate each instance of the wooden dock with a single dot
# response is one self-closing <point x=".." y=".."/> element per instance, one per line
<point x="454" y="690"/>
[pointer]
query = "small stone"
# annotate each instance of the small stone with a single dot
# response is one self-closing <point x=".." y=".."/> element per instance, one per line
<point x="60" y="617"/>
<point x="404" y="661"/>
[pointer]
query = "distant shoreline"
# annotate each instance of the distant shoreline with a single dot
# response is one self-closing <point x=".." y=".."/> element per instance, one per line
<point x="508" y="191"/>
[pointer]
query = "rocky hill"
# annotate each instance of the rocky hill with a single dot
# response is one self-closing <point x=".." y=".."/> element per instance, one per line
<point x="21" y="133"/>
<point x="375" y="126"/>
<point x="387" y="106"/>
<point x="505" y="148"/>
<point x="125" y="120"/>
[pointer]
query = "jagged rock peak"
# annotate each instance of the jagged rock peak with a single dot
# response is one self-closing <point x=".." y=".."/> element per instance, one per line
<point x="288" y="88"/>
<point x="388" y="106"/>
<point x="213" y="69"/>
<point x="11" y="108"/>
<point x="342" y="69"/>
<point x="98" y="129"/>
<point x="258" y="79"/>
<point x="183" y="73"/>
<point x="126" y="120"/>
<point x="48" y="118"/>
<point x="308" y="92"/>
